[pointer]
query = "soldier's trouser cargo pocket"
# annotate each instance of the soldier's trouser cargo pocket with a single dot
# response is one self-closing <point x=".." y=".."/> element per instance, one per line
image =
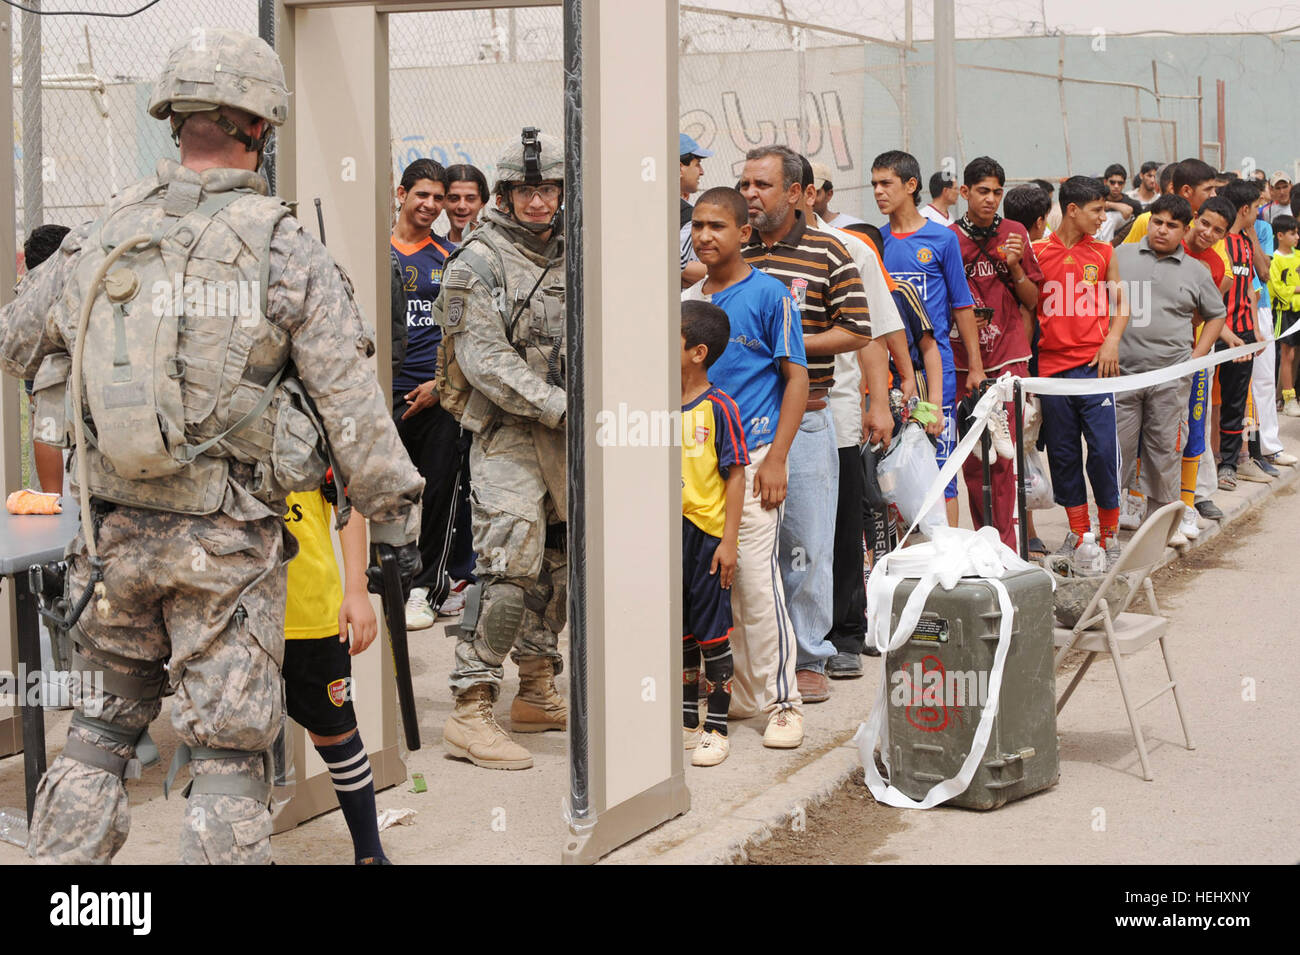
<point x="508" y="532"/>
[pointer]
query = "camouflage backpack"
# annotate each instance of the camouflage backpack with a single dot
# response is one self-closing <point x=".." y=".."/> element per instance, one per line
<point x="179" y="370"/>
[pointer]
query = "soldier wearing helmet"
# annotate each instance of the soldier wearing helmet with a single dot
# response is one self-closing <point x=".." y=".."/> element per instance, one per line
<point x="201" y="333"/>
<point x="501" y="309"/>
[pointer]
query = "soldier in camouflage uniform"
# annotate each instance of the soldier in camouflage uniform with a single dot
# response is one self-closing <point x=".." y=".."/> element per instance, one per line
<point x="193" y="561"/>
<point x="502" y="306"/>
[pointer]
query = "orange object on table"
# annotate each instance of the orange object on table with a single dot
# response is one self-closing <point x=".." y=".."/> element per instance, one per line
<point x="28" y="501"/>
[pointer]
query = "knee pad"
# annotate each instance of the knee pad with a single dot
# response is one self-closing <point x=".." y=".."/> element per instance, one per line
<point x="500" y="617"/>
<point x="144" y="752"/>
<point x="242" y="785"/>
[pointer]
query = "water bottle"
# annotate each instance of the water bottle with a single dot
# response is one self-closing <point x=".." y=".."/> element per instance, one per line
<point x="13" y="827"/>
<point x="1089" y="559"/>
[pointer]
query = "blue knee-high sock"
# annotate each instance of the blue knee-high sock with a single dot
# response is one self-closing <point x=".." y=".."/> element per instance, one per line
<point x="354" y="784"/>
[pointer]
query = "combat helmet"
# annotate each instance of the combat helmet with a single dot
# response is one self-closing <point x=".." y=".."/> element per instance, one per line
<point x="216" y="68"/>
<point x="534" y="158"/>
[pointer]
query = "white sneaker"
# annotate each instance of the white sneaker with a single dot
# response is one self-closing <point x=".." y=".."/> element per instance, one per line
<point x="455" y="602"/>
<point x="784" y="730"/>
<point x="712" y="750"/>
<point x="1189" y="526"/>
<point x="1292" y="408"/>
<point x="691" y="737"/>
<point x="419" y="615"/>
<point x="1001" y="433"/>
<point x="1285" y="459"/>
<point x="1132" y="507"/>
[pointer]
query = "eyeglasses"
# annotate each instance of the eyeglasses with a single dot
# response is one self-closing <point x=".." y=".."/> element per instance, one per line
<point x="548" y="191"/>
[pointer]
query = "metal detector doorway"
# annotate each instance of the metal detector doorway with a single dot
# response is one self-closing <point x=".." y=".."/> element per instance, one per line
<point x="619" y="116"/>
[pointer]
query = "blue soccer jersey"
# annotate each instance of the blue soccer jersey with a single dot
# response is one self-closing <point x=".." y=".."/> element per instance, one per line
<point x="930" y="259"/>
<point x="765" y="327"/>
<point x="421" y="264"/>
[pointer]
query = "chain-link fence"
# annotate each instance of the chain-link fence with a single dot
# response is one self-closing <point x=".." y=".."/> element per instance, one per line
<point x="81" y="85"/>
<point x="839" y="80"/>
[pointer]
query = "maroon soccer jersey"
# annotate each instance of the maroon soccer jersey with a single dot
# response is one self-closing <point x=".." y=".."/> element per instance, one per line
<point x="1002" y="338"/>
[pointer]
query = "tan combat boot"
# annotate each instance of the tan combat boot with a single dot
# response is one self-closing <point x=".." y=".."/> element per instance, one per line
<point x="472" y="733"/>
<point x="538" y="707"/>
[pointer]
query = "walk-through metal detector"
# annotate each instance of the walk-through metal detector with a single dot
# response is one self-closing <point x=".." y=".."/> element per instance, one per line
<point x="620" y="119"/>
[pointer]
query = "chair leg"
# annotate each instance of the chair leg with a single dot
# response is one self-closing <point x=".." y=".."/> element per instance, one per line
<point x="1128" y="704"/>
<point x="1178" y="702"/>
<point x="1083" y="668"/>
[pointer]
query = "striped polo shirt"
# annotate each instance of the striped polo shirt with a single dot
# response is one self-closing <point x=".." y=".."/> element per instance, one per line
<point x="1241" y="317"/>
<point x="821" y="277"/>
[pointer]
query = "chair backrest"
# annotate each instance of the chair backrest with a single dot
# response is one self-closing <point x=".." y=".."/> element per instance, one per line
<point x="1144" y="550"/>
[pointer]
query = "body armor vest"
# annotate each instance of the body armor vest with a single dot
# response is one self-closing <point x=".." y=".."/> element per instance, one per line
<point x="531" y="313"/>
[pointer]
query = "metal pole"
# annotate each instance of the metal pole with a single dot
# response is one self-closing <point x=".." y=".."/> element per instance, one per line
<point x="801" y="67"/>
<point x="1200" y="120"/>
<point x="33" y="149"/>
<point x="1221" y="90"/>
<point x="266" y="30"/>
<point x="945" y="81"/>
<point x="576" y="428"/>
<point x="1020" y="471"/>
<point x="1065" y="121"/>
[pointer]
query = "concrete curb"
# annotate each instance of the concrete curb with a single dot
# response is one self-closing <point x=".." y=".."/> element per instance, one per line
<point x="727" y="840"/>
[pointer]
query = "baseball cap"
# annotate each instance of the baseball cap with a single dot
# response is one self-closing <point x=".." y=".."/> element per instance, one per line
<point x="1279" y="176"/>
<point x="689" y="147"/>
<point x="821" y="175"/>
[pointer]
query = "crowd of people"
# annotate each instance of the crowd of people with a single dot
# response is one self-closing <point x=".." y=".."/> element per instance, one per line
<point x="1083" y="279"/>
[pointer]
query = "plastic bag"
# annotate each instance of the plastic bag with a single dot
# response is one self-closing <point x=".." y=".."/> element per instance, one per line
<point x="906" y="472"/>
<point x="1038" y="481"/>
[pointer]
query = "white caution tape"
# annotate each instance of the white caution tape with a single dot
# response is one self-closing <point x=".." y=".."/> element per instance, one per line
<point x="969" y="553"/>
<point x="1105" y="386"/>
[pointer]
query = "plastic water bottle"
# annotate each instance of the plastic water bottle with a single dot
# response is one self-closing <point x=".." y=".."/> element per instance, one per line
<point x="1089" y="559"/>
<point x="13" y="827"/>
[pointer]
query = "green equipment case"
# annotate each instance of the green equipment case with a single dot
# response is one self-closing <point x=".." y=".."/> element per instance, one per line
<point x="937" y="683"/>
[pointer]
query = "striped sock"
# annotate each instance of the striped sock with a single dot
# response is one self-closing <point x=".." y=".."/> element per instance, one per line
<point x="690" y="682"/>
<point x="354" y="785"/>
<point x="718" y="669"/>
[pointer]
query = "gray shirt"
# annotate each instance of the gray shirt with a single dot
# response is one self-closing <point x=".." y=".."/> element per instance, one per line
<point x="1163" y="294"/>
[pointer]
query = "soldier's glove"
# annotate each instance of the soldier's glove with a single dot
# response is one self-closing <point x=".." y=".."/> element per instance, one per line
<point x="408" y="565"/>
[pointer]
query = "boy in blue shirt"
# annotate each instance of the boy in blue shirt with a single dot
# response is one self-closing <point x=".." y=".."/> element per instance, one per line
<point x="764" y="369"/>
<point x="929" y="257"/>
<point x="713" y="491"/>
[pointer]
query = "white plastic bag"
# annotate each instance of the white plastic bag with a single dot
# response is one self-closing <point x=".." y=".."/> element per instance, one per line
<point x="906" y="472"/>
<point x="1038" y="481"/>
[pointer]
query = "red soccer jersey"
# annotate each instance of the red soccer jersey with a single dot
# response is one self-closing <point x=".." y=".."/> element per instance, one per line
<point x="1073" y="308"/>
<point x="1212" y="259"/>
<point x="1002" y="337"/>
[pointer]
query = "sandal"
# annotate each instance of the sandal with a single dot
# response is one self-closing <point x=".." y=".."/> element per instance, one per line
<point x="1037" y="549"/>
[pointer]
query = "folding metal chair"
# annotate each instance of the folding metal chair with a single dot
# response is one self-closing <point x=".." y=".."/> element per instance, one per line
<point x="1115" y="630"/>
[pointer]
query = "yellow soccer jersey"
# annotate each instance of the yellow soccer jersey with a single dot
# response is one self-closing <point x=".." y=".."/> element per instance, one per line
<point x="315" y="591"/>
<point x="713" y="441"/>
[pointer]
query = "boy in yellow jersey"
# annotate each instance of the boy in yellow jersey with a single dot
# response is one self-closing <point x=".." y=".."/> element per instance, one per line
<point x="317" y="660"/>
<point x="714" y="458"/>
